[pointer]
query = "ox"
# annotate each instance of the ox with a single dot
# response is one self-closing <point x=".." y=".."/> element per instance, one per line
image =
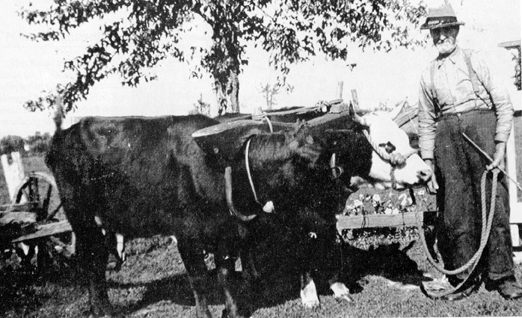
<point x="146" y="176"/>
<point x="382" y="157"/>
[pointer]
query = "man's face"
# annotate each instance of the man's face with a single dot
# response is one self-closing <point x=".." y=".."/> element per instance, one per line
<point x="445" y="39"/>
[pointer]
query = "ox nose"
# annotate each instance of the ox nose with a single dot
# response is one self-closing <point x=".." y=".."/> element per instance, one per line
<point x="425" y="174"/>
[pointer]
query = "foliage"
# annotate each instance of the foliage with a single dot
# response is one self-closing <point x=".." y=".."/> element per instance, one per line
<point x="10" y="144"/>
<point x="38" y="144"/>
<point x="136" y="35"/>
<point x="270" y="91"/>
<point x="516" y="58"/>
<point x="201" y="107"/>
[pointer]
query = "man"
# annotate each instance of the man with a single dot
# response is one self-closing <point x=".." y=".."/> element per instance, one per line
<point x="459" y="95"/>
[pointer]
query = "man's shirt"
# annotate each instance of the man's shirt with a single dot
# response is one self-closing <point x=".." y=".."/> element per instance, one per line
<point x="446" y="88"/>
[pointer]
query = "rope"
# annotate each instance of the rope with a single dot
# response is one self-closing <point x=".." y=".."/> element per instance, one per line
<point x="269" y="123"/>
<point x="395" y="158"/>
<point x="486" y="229"/>
<point x="248" y="171"/>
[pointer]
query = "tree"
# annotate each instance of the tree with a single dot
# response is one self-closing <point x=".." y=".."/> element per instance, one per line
<point x="201" y="107"/>
<point x="270" y="92"/>
<point x="148" y="31"/>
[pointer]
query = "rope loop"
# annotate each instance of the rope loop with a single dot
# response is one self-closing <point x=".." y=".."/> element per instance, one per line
<point x="486" y="229"/>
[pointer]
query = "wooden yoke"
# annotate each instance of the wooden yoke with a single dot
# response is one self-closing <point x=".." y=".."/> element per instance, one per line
<point x="226" y="139"/>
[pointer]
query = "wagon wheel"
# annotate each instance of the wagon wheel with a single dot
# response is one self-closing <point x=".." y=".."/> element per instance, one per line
<point x="38" y="193"/>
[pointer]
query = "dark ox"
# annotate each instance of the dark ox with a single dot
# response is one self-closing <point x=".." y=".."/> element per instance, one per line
<point x="147" y="176"/>
<point x="351" y="158"/>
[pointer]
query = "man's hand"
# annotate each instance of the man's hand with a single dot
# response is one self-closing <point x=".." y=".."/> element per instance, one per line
<point x="498" y="157"/>
<point x="432" y="185"/>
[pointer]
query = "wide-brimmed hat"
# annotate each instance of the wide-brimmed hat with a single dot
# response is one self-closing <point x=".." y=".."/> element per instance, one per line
<point x="441" y="17"/>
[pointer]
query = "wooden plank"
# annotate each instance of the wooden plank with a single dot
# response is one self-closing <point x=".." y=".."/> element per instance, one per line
<point x="16" y="207"/>
<point x="381" y="220"/>
<point x="46" y="230"/>
<point x="17" y="217"/>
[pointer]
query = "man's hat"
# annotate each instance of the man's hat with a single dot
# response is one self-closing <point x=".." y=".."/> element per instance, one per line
<point x="441" y="17"/>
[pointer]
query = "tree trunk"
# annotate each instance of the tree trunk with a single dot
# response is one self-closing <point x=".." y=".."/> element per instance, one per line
<point x="234" y="91"/>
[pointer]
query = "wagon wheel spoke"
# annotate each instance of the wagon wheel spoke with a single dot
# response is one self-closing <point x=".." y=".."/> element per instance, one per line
<point x="46" y="201"/>
<point x="53" y="213"/>
<point x="22" y="194"/>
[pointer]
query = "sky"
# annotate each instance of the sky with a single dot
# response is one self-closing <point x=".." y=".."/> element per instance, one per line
<point x="28" y="68"/>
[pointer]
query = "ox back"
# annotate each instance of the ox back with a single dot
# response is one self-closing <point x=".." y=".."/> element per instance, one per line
<point x="136" y="174"/>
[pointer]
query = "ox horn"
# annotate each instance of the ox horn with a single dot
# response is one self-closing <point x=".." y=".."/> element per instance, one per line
<point x="230" y="203"/>
<point x="356" y="117"/>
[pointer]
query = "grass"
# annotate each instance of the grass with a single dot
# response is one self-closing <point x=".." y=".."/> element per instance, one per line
<point x="153" y="283"/>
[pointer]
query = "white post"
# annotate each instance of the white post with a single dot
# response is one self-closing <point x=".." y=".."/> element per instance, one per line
<point x="514" y="205"/>
<point x="13" y="171"/>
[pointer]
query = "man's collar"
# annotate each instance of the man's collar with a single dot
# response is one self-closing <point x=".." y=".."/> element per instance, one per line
<point x="451" y="57"/>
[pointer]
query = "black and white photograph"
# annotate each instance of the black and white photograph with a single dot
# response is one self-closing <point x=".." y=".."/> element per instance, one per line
<point x="288" y="158"/>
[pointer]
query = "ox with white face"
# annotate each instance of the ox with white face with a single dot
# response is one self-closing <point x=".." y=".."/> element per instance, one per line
<point x="393" y="141"/>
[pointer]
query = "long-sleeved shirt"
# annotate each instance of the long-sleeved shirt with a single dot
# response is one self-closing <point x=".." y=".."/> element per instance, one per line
<point x="446" y="88"/>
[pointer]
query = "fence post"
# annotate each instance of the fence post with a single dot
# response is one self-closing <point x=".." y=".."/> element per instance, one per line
<point x="13" y="171"/>
<point x="340" y="90"/>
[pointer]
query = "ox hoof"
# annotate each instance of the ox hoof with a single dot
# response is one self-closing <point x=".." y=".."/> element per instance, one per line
<point x="225" y="314"/>
<point x="341" y="292"/>
<point x="345" y="298"/>
<point x="310" y="304"/>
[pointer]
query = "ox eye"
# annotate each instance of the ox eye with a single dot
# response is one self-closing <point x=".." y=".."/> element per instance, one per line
<point x="389" y="147"/>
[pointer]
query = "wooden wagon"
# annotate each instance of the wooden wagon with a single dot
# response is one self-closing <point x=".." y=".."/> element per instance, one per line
<point x="34" y="216"/>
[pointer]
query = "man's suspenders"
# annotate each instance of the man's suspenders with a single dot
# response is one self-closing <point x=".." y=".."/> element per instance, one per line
<point x="475" y="81"/>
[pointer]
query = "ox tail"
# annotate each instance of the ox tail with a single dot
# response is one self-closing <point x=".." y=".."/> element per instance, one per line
<point x="58" y="114"/>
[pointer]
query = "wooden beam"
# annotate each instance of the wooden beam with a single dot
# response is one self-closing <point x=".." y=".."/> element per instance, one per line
<point x="46" y="230"/>
<point x="382" y="220"/>
<point x="17" y="217"/>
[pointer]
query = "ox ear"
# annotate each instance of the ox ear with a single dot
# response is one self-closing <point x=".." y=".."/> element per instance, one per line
<point x="301" y="132"/>
<point x="303" y="145"/>
<point x="310" y="153"/>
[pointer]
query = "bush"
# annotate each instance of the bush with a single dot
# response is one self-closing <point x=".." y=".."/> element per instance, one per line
<point x="38" y="144"/>
<point x="10" y="144"/>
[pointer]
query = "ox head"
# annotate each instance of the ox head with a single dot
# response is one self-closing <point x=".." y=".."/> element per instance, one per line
<point x="394" y="162"/>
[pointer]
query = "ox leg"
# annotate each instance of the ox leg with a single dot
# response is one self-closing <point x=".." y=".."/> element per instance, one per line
<point x="197" y="274"/>
<point x="340" y="291"/>
<point x="92" y="257"/>
<point x="308" y="291"/>
<point x="335" y="269"/>
<point x="225" y="265"/>
<point x="250" y="272"/>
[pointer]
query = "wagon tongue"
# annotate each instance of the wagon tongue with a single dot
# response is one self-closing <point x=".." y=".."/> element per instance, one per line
<point x="226" y="139"/>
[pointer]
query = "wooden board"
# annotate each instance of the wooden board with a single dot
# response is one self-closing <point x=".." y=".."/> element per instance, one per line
<point x="225" y="140"/>
<point x="383" y="220"/>
<point x="17" y="217"/>
<point x="46" y="230"/>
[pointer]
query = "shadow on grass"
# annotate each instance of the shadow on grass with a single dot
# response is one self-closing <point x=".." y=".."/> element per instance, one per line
<point x="280" y="280"/>
<point x="279" y="283"/>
